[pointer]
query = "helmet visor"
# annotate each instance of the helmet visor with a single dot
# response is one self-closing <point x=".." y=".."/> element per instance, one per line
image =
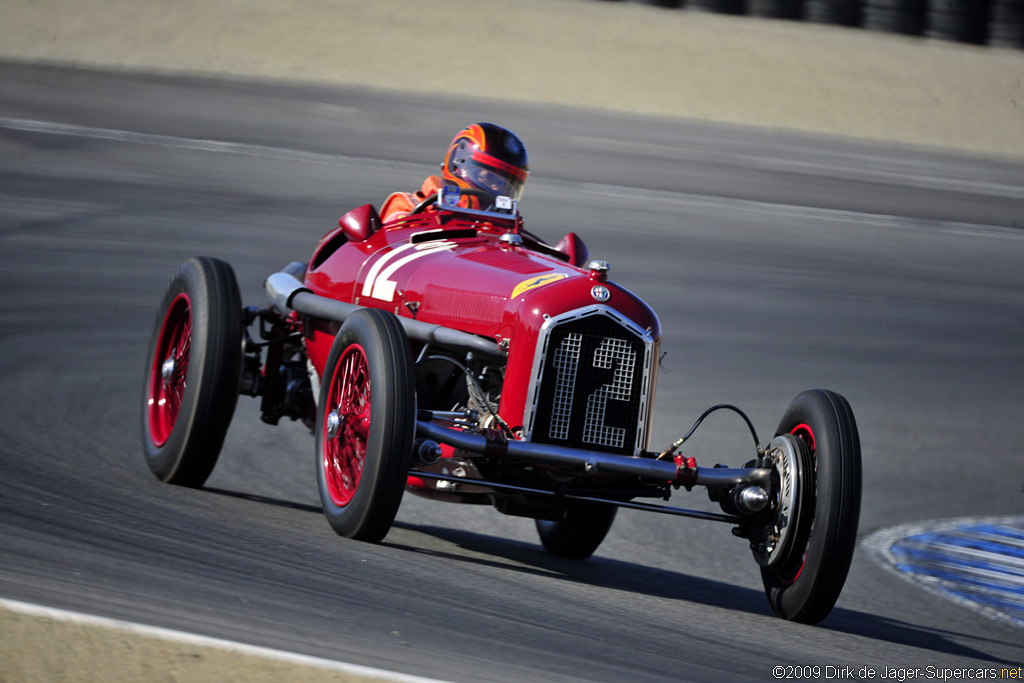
<point x="493" y="175"/>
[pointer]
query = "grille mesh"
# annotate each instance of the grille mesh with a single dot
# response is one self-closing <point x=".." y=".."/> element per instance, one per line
<point x="567" y="359"/>
<point x="591" y="386"/>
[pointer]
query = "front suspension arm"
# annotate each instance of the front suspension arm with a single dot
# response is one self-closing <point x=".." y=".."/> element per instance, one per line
<point x="678" y="472"/>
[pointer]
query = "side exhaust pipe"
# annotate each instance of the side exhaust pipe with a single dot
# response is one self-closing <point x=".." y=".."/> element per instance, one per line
<point x="287" y="294"/>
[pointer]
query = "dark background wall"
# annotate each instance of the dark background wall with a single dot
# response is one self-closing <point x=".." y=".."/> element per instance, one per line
<point x="998" y="23"/>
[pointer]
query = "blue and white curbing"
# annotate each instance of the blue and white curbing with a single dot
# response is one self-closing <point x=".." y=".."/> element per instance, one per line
<point x="977" y="562"/>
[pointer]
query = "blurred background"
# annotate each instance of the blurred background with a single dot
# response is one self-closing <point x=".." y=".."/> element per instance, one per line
<point x="992" y="22"/>
<point x="774" y="74"/>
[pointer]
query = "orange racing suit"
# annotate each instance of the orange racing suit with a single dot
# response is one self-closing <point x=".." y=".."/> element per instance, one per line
<point x="399" y="204"/>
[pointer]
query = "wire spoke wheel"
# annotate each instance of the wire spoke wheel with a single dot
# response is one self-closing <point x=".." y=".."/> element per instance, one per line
<point x="346" y="428"/>
<point x="169" y="370"/>
<point x="365" y="425"/>
<point x="193" y="372"/>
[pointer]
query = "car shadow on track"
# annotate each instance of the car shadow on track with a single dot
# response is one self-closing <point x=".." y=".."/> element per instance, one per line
<point x="662" y="583"/>
<point x="511" y="555"/>
<point x="277" y="502"/>
<point x="598" y="571"/>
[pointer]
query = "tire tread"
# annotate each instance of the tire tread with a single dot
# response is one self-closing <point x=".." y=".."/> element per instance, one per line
<point x="811" y="596"/>
<point x="191" y="451"/>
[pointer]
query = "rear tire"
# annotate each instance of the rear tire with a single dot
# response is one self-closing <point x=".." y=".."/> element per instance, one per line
<point x="842" y="12"/>
<point x="193" y="372"/>
<point x="1006" y="26"/>
<point x="965" y="21"/>
<point x="806" y="584"/>
<point x="364" y="439"/>
<point x="775" y="9"/>
<point x="578" y="535"/>
<point x="895" y="16"/>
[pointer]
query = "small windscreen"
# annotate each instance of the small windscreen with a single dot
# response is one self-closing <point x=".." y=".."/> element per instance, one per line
<point x="455" y="198"/>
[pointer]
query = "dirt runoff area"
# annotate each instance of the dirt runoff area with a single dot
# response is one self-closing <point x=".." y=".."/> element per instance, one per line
<point x="41" y="644"/>
<point x="588" y="53"/>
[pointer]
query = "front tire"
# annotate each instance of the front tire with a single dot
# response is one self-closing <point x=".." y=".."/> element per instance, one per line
<point x="579" y="534"/>
<point x="806" y="584"/>
<point x="193" y="372"/>
<point x="366" y="424"/>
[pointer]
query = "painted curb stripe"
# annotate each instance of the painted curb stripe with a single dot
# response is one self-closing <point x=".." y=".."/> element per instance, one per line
<point x="975" y="562"/>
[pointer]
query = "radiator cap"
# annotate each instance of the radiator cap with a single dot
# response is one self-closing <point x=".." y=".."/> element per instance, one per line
<point x="599" y="270"/>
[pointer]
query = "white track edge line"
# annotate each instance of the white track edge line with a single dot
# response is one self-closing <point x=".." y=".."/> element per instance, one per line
<point x="34" y="610"/>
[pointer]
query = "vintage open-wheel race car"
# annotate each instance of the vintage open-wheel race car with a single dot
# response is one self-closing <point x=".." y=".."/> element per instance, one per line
<point x="454" y="355"/>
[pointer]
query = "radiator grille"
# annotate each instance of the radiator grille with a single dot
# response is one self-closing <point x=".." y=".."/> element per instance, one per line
<point x="567" y="360"/>
<point x="592" y="388"/>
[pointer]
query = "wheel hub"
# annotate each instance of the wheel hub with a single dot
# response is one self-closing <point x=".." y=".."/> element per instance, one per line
<point x="333" y="424"/>
<point x="773" y="533"/>
<point x="167" y="369"/>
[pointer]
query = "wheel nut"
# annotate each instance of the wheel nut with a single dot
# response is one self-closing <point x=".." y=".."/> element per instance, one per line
<point x="167" y="370"/>
<point x="333" y="424"/>
<point x="750" y="499"/>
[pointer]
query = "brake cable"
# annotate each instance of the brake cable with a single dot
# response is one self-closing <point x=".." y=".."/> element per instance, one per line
<point x="670" y="451"/>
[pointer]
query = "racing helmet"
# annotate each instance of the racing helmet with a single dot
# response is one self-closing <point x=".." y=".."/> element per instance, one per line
<point x="487" y="157"/>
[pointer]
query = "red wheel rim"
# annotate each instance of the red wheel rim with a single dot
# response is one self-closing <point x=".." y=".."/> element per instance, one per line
<point x="804" y="432"/>
<point x="344" y="450"/>
<point x="169" y="372"/>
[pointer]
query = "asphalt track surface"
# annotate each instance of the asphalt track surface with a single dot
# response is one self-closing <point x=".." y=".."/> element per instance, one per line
<point x="776" y="264"/>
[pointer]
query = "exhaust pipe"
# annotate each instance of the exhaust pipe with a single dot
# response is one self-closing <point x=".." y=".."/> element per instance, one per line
<point x="287" y="294"/>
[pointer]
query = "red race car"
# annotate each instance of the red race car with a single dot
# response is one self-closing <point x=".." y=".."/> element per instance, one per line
<point x="452" y="354"/>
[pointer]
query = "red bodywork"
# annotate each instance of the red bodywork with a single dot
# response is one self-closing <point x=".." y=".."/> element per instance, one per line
<point x="496" y="369"/>
<point x="455" y="271"/>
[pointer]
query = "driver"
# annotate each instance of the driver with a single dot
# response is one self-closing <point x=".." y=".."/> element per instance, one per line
<point x="482" y="156"/>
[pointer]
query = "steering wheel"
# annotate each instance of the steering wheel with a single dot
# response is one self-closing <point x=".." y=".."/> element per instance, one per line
<point x="432" y="199"/>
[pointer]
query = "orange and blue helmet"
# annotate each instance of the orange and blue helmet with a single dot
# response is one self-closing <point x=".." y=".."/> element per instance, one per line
<point x="487" y="157"/>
